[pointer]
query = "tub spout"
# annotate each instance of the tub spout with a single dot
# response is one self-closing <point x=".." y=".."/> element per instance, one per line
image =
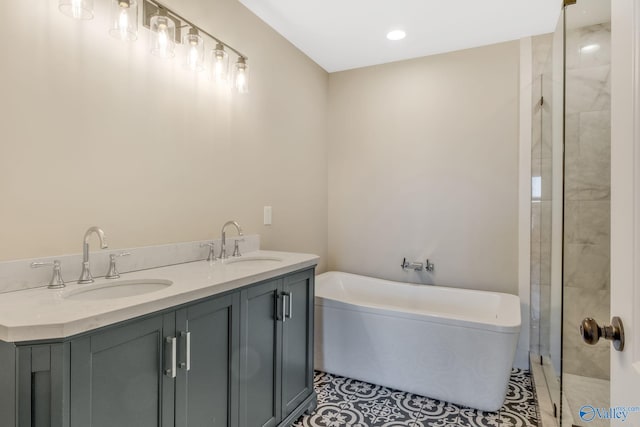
<point x="406" y="265"/>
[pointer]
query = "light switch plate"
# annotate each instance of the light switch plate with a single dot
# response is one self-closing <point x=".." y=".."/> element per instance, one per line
<point x="267" y="215"/>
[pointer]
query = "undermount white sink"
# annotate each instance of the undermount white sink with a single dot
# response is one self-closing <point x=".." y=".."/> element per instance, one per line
<point x="253" y="260"/>
<point x="118" y="289"/>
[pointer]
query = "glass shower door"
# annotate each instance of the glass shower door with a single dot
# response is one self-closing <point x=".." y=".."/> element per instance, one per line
<point x="587" y="206"/>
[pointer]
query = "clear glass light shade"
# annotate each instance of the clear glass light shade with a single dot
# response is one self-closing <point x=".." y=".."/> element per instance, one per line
<point x="77" y="9"/>
<point x="220" y="65"/>
<point x="241" y="75"/>
<point x="194" y="45"/>
<point x="124" y="19"/>
<point x="162" y="36"/>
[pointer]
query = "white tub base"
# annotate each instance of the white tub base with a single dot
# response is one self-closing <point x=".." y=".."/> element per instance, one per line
<point x="455" y="360"/>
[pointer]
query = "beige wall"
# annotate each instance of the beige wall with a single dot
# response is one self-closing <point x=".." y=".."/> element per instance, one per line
<point x="97" y="132"/>
<point x="423" y="162"/>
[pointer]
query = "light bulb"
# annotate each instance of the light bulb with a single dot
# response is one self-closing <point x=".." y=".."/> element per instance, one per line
<point x="220" y="66"/>
<point x="195" y="50"/>
<point x="242" y="75"/>
<point x="241" y="81"/>
<point x="163" y="39"/>
<point x="76" y="8"/>
<point x="193" y="57"/>
<point x="123" y="23"/>
<point x="162" y="35"/>
<point x="124" y="20"/>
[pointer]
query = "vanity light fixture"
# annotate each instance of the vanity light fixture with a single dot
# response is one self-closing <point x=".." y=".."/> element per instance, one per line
<point x="195" y="50"/>
<point x="165" y="29"/>
<point x="124" y="20"/>
<point x="241" y="75"/>
<point x="77" y="9"/>
<point x="220" y="64"/>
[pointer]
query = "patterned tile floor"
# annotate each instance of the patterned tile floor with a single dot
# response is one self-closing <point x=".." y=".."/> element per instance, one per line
<point x="344" y="402"/>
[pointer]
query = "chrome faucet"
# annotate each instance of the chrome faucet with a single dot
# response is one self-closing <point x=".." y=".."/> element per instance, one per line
<point x="85" y="276"/>
<point x="223" y="251"/>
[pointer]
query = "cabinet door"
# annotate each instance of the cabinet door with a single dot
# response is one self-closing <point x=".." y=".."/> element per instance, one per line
<point x="118" y="376"/>
<point x="40" y="385"/>
<point x="297" y="336"/>
<point x="260" y="340"/>
<point x="8" y="384"/>
<point x="207" y="383"/>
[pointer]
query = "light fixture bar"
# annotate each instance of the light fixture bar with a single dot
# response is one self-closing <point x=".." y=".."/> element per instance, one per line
<point x="151" y="8"/>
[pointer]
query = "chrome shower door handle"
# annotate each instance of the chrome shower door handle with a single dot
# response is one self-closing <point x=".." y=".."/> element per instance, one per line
<point x="591" y="332"/>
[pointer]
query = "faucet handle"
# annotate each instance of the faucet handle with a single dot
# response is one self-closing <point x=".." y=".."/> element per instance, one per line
<point x="56" y="281"/>
<point x="212" y="250"/>
<point x="113" y="271"/>
<point x="429" y="266"/>
<point x="236" y="247"/>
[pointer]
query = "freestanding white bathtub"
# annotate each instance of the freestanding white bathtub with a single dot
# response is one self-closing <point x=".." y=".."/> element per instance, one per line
<point x="449" y="344"/>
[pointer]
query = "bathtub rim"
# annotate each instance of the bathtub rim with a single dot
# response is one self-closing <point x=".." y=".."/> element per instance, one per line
<point x="512" y="327"/>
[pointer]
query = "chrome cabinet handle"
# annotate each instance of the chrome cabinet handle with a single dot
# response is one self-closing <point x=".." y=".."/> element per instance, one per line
<point x="287" y="309"/>
<point x="171" y="371"/>
<point x="187" y="363"/>
<point x="290" y="298"/>
<point x="284" y="307"/>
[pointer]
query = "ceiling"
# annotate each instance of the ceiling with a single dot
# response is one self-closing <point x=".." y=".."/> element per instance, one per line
<point x="345" y="34"/>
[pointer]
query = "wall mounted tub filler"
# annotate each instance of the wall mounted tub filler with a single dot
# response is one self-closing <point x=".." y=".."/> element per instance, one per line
<point x="85" y="276"/>
<point x="417" y="266"/>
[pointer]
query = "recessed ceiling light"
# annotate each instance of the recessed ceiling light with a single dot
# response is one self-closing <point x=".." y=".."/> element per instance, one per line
<point x="396" y="35"/>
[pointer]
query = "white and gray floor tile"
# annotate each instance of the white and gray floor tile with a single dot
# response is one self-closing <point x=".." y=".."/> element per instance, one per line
<point x="345" y="402"/>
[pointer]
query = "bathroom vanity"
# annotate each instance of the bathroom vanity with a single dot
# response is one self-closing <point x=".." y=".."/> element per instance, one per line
<point x="224" y="345"/>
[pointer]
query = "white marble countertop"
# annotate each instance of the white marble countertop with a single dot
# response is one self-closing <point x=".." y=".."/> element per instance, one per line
<point x="41" y="313"/>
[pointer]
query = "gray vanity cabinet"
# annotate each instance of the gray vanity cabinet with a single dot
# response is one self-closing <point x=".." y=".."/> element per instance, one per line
<point x="208" y="359"/>
<point x="241" y="359"/>
<point x="118" y="378"/>
<point x="260" y="364"/>
<point x="297" y="341"/>
<point x="124" y="376"/>
<point x="40" y="391"/>
<point x="276" y="343"/>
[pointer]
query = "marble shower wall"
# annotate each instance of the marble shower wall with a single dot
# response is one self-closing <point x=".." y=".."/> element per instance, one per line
<point x="541" y="172"/>
<point x="587" y="196"/>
